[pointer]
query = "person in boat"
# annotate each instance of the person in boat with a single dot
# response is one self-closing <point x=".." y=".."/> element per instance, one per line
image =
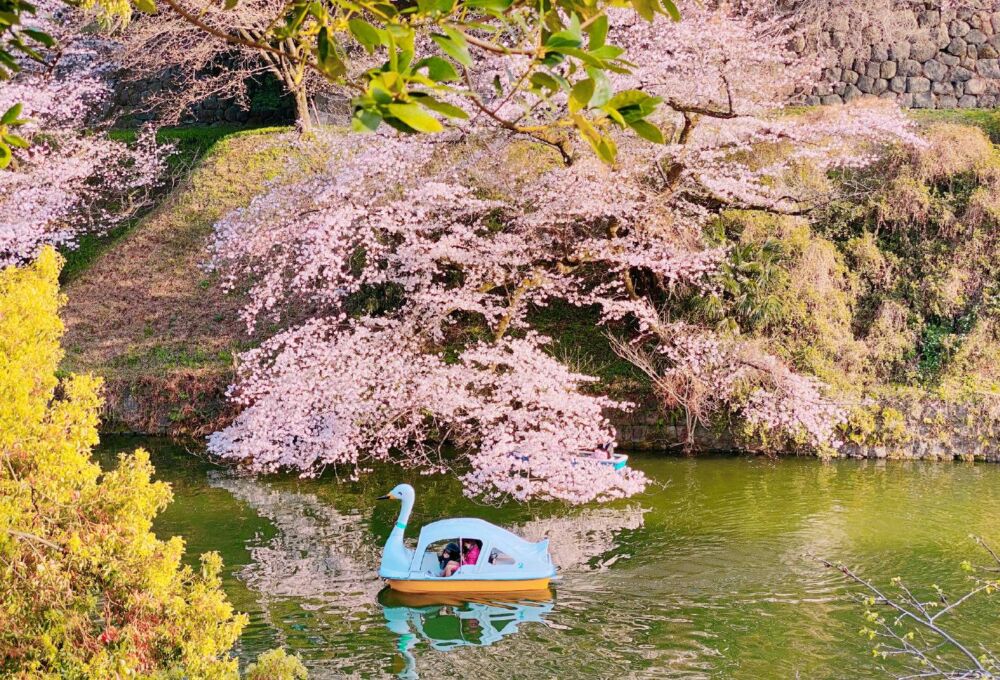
<point x="470" y="550"/>
<point x="450" y="559"/>
<point x="605" y="451"/>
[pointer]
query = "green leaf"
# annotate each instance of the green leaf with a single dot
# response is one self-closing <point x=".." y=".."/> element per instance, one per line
<point x="12" y="114"/>
<point x="580" y="95"/>
<point x="441" y="107"/>
<point x="672" y="10"/>
<point x="16" y="140"/>
<point x="365" y="120"/>
<point x="491" y="6"/>
<point x="415" y="117"/>
<point x="39" y="36"/>
<point x="438" y="69"/>
<point x="647" y="130"/>
<point x="145" y="6"/>
<point x="607" y="52"/>
<point x="456" y="49"/>
<point x="585" y="57"/>
<point x="5" y="155"/>
<point x="602" y="87"/>
<point x="544" y="81"/>
<point x="230" y="4"/>
<point x="598" y="32"/>
<point x="647" y="9"/>
<point x="366" y="34"/>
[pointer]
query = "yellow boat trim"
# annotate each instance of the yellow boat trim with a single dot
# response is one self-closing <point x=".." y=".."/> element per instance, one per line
<point x="468" y="586"/>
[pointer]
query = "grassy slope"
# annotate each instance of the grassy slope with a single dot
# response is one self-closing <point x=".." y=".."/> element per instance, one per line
<point x="141" y="311"/>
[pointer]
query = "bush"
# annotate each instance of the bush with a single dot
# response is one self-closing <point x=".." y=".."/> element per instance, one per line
<point x="87" y="591"/>
<point x="276" y="665"/>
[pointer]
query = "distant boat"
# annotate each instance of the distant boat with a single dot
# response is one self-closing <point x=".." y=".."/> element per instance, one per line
<point x="618" y="461"/>
<point x="507" y="562"/>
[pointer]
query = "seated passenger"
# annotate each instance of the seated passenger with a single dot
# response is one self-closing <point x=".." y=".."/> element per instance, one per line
<point x="449" y="559"/>
<point x="604" y="451"/>
<point x="471" y="548"/>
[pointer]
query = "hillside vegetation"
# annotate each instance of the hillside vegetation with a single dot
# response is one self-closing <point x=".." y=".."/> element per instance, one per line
<point x="892" y="288"/>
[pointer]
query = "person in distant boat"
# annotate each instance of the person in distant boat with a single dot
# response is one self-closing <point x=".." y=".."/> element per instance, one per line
<point x="604" y="451"/>
<point x="449" y="559"/>
<point x="470" y="550"/>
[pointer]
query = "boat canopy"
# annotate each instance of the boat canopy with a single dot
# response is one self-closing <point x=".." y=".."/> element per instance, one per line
<point x="492" y="537"/>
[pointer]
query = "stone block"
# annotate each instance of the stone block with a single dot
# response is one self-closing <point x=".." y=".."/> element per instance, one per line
<point x="975" y="37"/>
<point x="960" y="73"/>
<point x="917" y="84"/>
<point x="947" y="102"/>
<point x="839" y="88"/>
<point x="832" y="75"/>
<point x="988" y="68"/>
<point x="880" y="53"/>
<point x="850" y="77"/>
<point x="948" y="59"/>
<point x="831" y="99"/>
<point x="905" y="101"/>
<point x="900" y="51"/>
<point x="958" y="28"/>
<point x="968" y="102"/>
<point x="812" y="100"/>
<point x="923" y="50"/>
<point x="976" y="86"/>
<point x="890" y="96"/>
<point x="957" y="47"/>
<point x="929" y="19"/>
<point x="887" y="70"/>
<point x="988" y="101"/>
<point x="873" y="69"/>
<point x="898" y="84"/>
<point x="859" y="66"/>
<point x="866" y="84"/>
<point x="988" y="52"/>
<point x="923" y="100"/>
<point x="935" y="70"/>
<point x="942" y="88"/>
<point x="911" y="67"/>
<point x="881" y="85"/>
<point x="851" y="93"/>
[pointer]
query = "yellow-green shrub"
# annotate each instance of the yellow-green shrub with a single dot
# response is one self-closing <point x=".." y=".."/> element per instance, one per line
<point x="86" y="588"/>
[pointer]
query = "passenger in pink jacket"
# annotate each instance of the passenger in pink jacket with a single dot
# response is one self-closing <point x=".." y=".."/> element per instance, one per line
<point x="470" y="550"/>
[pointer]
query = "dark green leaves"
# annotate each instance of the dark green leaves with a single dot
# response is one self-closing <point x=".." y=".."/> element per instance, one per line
<point x="11" y="118"/>
<point x="366" y="34"/>
<point x="454" y="44"/>
<point x="647" y="9"/>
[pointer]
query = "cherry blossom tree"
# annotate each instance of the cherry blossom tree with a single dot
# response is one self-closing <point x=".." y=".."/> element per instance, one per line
<point x="68" y="177"/>
<point x="422" y="260"/>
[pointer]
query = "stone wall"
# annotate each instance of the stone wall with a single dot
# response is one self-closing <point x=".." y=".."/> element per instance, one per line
<point x="933" y="59"/>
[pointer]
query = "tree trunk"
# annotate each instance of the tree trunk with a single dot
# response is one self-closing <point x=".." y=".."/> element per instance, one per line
<point x="303" y="118"/>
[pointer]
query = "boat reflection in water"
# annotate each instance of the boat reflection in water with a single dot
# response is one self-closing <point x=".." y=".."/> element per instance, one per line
<point x="447" y="622"/>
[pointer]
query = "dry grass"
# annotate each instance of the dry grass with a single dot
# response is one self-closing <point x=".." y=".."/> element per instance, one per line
<point x="146" y="307"/>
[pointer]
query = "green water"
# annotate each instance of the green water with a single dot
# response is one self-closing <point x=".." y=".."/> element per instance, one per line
<point x="708" y="574"/>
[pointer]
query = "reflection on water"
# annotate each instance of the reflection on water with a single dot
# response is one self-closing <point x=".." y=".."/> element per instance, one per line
<point x="707" y="577"/>
<point x="447" y="624"/>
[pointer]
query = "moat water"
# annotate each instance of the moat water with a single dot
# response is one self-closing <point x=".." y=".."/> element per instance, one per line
<point x="711" y="573"/>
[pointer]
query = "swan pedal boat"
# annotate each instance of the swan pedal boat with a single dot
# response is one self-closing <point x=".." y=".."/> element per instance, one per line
<point x="507" y="563"/>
